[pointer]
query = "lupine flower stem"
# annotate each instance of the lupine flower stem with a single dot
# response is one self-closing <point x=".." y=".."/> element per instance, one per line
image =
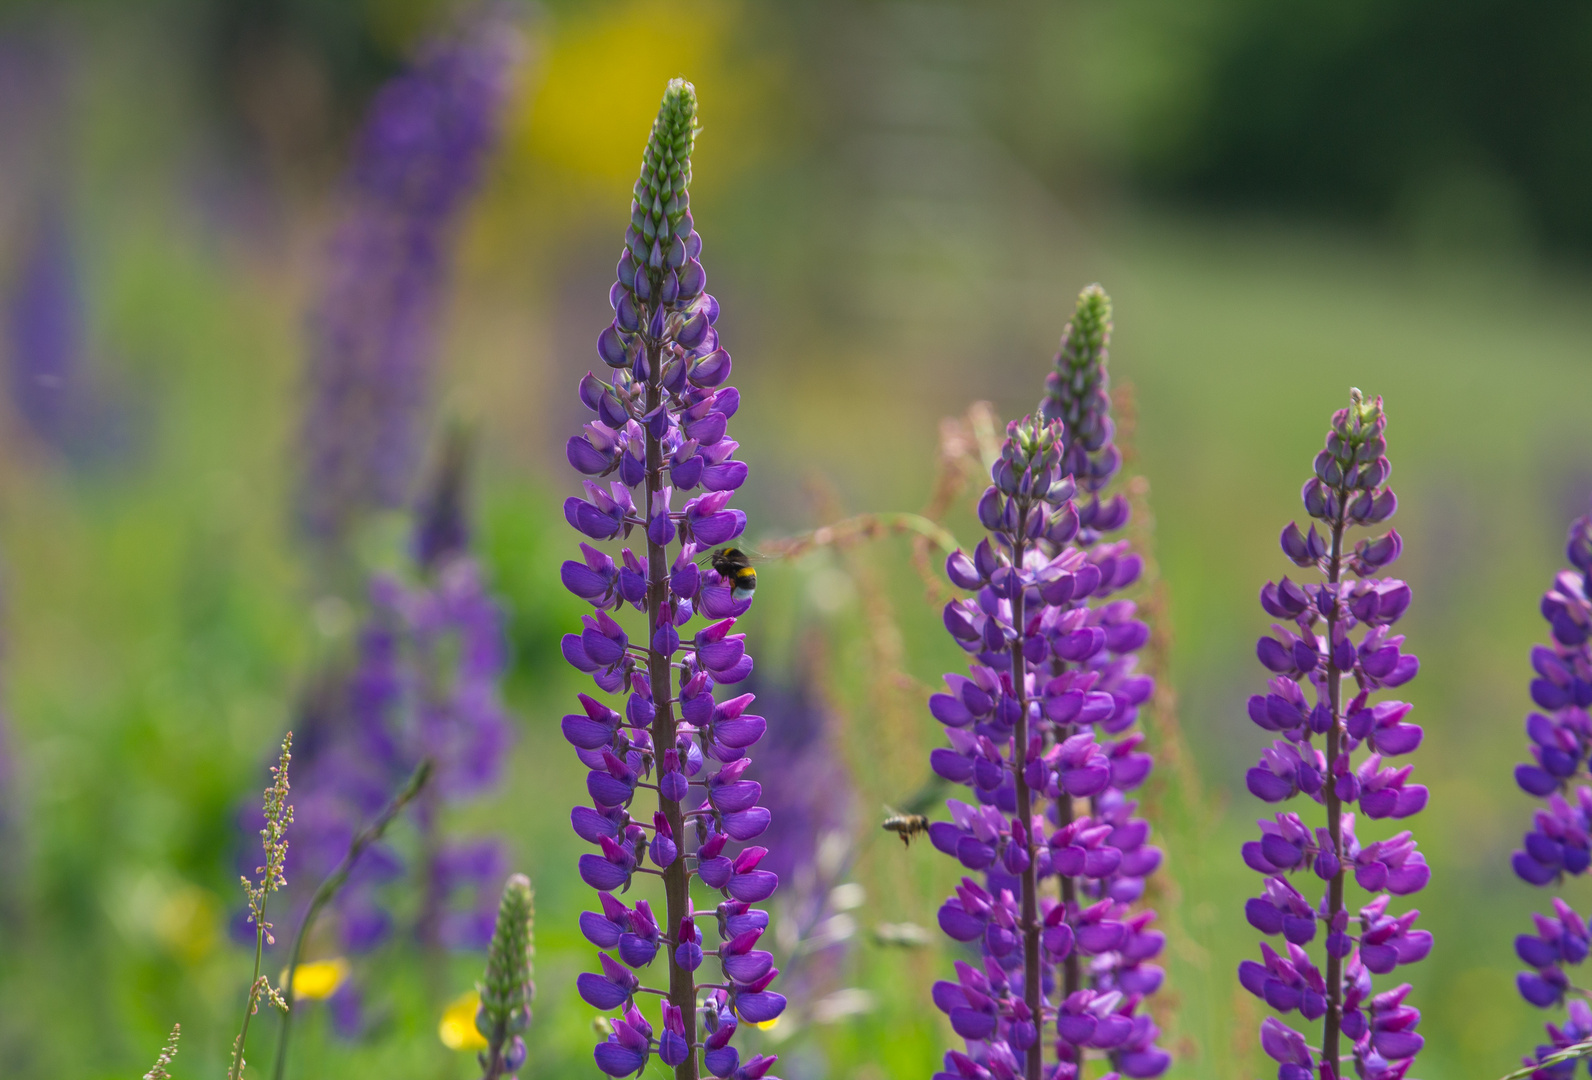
<point x="329" y="888"/>
<point x="1334" y="1018"/>
<point x="676" y="876"/>
<point x="1032" y="988"/>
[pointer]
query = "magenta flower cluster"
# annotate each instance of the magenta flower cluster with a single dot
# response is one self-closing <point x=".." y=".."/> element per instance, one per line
<point x="659" y="433"/>
<point x="1039" y="733"/>
<point x="1339" y="626"/>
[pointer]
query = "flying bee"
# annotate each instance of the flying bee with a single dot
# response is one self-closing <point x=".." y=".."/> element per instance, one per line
<point x="735" y="567"/>
<point x="906" y="826"/>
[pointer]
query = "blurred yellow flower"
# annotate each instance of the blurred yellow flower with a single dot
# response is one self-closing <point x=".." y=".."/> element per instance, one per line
<point x="185" y="921"/>
<point x="319" y="979"/>
<point x="767" y="1025"/>
<point x="600" y="81"/>
<point x="457" y="1030"/>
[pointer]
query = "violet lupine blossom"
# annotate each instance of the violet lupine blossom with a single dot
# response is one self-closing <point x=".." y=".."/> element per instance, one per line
<point x="372" y="333"/>
<point x="1313" y="645"/>
<point x="659" y="433"/>
<point x="1053" y="674"/>
<point x="425" y="683"/>
<point x="45" y="332"/>
<point x="1559" y="842"/>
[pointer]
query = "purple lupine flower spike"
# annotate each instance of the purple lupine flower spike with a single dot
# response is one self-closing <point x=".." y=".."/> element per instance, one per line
<point x="1039" y="732"/>
<point x="660" y="475"/>
<point x="1559" y="842"/>
<point x="1340" y="626"/>
<point x="417" y="161"/>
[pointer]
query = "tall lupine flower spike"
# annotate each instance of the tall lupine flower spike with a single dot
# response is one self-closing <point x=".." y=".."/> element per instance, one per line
<point x="507" y="991"/>
<point x="1559" y="842"/>
<point x="660" y="432"/>
<point x="1341" y="626"/>
<point x="416" y="163"/>
<point x="1049" y="671"/>
<point x="1078" y="393"/>
<point x="273" y="839"/>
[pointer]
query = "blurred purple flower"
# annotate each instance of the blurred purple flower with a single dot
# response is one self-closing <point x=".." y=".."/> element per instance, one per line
<point x="1312" y="644"/>
<point x="46" y="335"/>
<point x="808" y="792"/>
<point x="425" y="683"/>
<point x="372" y="333"/>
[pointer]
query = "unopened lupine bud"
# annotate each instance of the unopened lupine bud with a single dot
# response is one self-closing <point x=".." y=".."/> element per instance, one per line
<point x="1078" y="393"/>
<point x="507" y="990"/>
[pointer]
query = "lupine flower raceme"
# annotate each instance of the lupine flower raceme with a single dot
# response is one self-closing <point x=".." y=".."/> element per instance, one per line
<point x="1559" y="842"/>
<point x="660" y="473"/>
<point x="1329" y="630"/>
<point x="418" y="159"/>
<point x="425" y="685"/>
<point x="1038" y="731"/>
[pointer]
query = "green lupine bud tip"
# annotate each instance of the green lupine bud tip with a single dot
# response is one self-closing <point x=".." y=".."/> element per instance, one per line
<point x="1077" y="392"/>
<point x="1091" y="327"/>
<point x="666" y="163"/>
<point x="507" y="991"/>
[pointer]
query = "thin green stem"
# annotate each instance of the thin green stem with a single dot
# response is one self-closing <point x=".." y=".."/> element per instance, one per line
<point x="236" y="1072"/>
<point x="329" y="888"/>
<point x="1558" y="1057"/>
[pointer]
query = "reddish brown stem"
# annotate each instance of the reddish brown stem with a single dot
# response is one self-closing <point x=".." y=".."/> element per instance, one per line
<point x="676" y="878"/>
<point x="1025" y="814"/>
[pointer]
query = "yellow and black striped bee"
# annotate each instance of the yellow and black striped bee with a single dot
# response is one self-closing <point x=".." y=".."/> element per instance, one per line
<point x="906" y="826"/>
<point x="735" y="566"/>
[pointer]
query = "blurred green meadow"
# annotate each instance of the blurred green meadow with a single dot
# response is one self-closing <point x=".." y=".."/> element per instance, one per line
<point x="899" y="203"/>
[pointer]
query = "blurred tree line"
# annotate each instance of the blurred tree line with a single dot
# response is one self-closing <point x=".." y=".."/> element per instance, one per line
<point x="1456" y="122"/>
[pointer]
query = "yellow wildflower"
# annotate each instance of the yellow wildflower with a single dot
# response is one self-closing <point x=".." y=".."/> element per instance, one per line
<point x="457" y="1030"/>
<point x="318" y="979"/>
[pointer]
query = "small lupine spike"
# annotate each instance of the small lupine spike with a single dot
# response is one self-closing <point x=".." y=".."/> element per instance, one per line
<point x="507" y="990"/>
